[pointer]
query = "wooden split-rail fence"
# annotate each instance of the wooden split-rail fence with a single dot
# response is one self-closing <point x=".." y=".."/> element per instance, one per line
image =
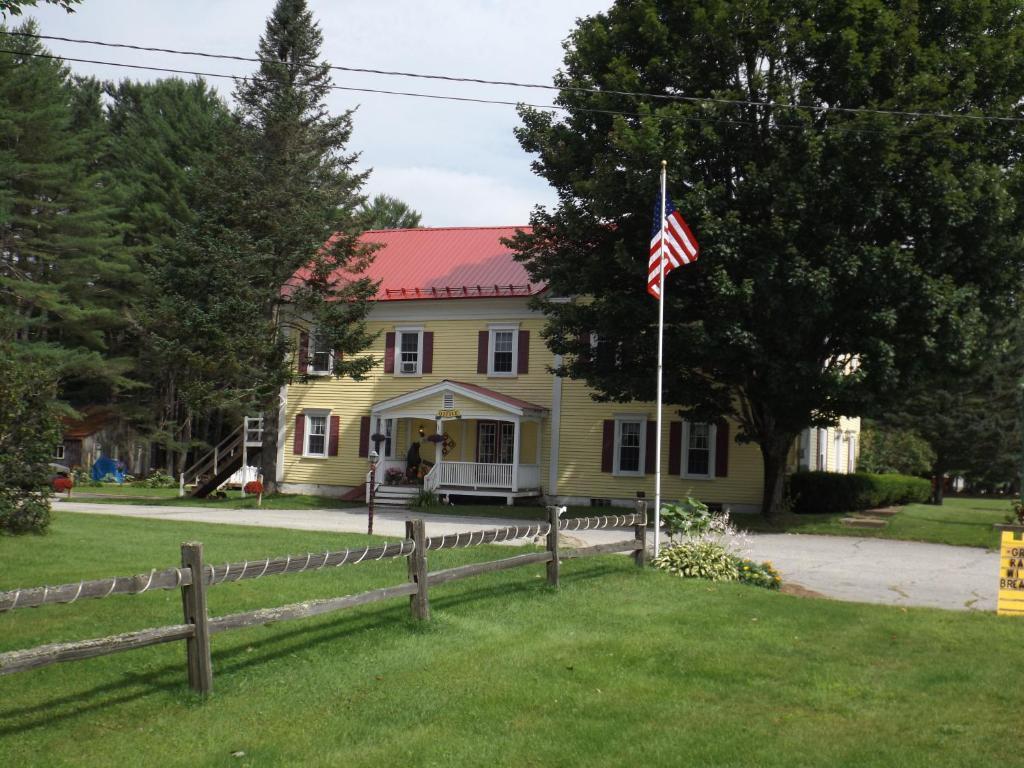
<point x="195" y="577"/>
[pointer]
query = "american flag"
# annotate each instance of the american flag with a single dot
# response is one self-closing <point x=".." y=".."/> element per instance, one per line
<point x="680" y="245"/>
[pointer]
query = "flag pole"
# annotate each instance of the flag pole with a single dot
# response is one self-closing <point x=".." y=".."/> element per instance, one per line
<point x="661" y="329"/>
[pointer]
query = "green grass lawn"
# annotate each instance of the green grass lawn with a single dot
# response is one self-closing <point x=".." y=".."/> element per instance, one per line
<point x="619" y="667"/>
<point x="168" y="497"/>
<point x="961" y="522"/>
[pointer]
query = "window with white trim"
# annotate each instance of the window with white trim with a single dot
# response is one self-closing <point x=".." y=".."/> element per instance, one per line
<point x="58" y="451"/>
<point x="504" y="349"/>
<point x="316" y="433"/>
<point x="822" y="450"/>
<point x="408" y="351"/>
<point x="321" y="356"/>
<point x="386" y="427"/>
<point x="630" y="445"/>
<point x="699" y="449"/>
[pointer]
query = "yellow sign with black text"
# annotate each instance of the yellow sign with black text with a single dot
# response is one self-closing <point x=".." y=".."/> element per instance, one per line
<point x="449" y="413"/>
<point x="1011" y="575"/>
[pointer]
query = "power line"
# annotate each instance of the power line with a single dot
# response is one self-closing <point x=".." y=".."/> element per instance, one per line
<point x="239" y="78"/>
<point x="543" y="86"/>
<point x="675" y="118"/>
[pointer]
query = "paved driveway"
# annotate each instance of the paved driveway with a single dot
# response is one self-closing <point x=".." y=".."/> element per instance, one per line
<point x="902" y="573"/>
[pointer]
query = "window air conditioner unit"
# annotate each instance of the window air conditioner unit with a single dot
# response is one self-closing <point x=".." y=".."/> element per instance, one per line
<point x="408" y="367"/>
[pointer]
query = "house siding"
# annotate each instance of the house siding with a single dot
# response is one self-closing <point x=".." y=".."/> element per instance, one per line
<point x="456" y="325"/>
<point x="454" y="358"/>
<point x="579" y="460"/>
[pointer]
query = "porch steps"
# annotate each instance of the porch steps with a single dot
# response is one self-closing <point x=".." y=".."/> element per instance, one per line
<point x="395" y="496"/>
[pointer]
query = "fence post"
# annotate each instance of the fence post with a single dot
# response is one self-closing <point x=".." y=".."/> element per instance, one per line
<point x="193" y="600"/>
<point x="640" y="555"/>
<point x="419" y="603"/>
<point x="553" y="546"/>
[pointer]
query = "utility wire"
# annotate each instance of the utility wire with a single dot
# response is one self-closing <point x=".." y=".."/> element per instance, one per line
<point x="549" y="107"/>
<point x="571" y="89"/>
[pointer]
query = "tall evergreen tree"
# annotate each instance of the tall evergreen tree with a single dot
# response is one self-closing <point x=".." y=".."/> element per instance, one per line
<point x="387" y="212"/>
<point x="161" y="133"/>
<point x="61" y="263"/>
<point x="276" y="218"/>
<point x="843" y="252"/>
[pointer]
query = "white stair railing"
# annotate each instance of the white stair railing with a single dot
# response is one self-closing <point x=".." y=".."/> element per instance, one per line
<point x="432" y="479"/>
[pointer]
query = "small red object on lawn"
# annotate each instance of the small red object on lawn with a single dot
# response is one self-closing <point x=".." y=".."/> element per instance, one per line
<point x="63" y="484"/>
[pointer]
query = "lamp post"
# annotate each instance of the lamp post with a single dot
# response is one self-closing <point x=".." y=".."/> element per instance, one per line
<point x="372" y="458"/>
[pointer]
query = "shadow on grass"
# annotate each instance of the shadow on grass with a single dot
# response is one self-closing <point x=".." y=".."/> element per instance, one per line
<point x="168" y="678"/>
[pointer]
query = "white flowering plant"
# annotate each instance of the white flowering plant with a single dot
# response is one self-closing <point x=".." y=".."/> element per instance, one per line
<point x="691" y="519"/>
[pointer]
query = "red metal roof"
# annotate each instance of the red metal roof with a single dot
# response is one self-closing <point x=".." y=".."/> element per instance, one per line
<point x="524" y="404"/>
<point x="446" y="263"/>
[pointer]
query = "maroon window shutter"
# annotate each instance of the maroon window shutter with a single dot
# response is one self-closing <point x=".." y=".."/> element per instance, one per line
<point x="332" y="443"/>
<point x="722" y="449"/>
<point x="524" y="352"/>
<point x="481" y="351"/>
<point x="389" y="353"/>
<point x="303" y="352"/>
<point x="608" y="445"/>
<point x="652" y="431"/>
<point x="675" y="448"/>
<point x="300" y="435"/>
<point x="428" y="351"/>
<point x="364" y="436"/>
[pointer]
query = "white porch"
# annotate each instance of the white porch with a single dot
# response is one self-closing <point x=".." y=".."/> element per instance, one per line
<point x="472" y="440"/>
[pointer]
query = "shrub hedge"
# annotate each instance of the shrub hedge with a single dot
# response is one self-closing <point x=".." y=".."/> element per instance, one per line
<point x="827" y="492"/>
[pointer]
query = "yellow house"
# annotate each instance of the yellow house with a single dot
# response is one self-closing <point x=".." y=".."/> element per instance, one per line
<point x="464" y="379"/>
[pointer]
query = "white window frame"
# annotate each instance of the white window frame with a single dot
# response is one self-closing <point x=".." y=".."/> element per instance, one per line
<point x="418" y="330"/>
<point x="492" y="332"/>
<point x="380" y="428"/>
<point x="311" y="356"/>
<point x="631" y="418"/>
<point x="821" y="453"/>
<point x="58" y="451"/>
<point x="712" y="450"/>
<point x="309" y="414"/>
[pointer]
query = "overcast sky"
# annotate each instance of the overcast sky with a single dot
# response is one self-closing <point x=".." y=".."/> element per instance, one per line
<point x="458" y="164"/>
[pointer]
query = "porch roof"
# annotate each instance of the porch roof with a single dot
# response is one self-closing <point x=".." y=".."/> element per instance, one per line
<point x="502" y="402"/>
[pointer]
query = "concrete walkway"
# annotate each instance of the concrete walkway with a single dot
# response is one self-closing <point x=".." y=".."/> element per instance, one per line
<point x="903" y="573"/>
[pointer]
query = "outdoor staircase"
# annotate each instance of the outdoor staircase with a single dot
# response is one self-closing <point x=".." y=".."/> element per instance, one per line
<point x="215" y="467"/>
<point x="395" y="496"/>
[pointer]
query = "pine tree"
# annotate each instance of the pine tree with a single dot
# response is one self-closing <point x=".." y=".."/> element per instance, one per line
<point x="64" y="278"/>
<point x="387" y="212"/>
<point x="275" y="219"/>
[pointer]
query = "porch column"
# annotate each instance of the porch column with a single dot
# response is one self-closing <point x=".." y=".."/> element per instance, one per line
<point x="516" y="435"/>
<point x="537" y="455"/>
<point x="437" y="446"/>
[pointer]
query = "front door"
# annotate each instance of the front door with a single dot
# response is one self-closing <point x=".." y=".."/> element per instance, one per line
<point x="494" y="442"/>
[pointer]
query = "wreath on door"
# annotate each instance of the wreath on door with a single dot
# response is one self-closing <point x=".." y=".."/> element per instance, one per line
<point x="447" y="444"/>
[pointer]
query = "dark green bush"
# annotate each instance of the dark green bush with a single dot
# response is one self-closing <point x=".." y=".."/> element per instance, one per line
<point x="830" y="492"/>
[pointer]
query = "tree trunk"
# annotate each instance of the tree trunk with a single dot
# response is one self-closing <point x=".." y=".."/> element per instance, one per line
<point x="938" y="485"/>
<point x="774" y="453"/>
<point x="268" y="454"/>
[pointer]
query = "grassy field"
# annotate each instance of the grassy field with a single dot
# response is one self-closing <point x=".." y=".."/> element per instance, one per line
<point x="620" y="666"/>
<point x="168" y="497"/>
<point x="961" y="522"/>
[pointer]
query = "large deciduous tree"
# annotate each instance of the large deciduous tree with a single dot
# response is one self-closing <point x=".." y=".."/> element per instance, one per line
<point x="29" y="430"/>
<point x="276" y="224"/>
<point x="842" y="249"/>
